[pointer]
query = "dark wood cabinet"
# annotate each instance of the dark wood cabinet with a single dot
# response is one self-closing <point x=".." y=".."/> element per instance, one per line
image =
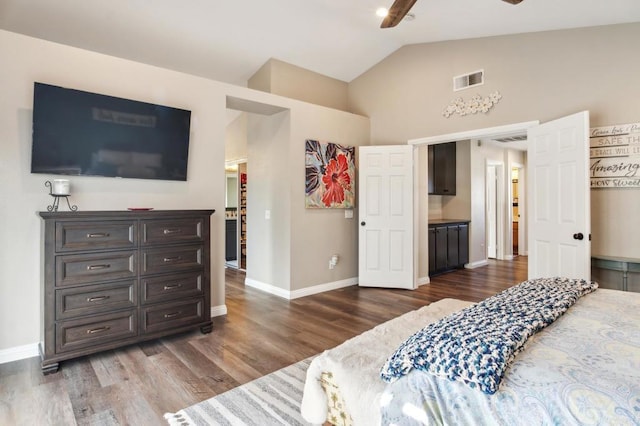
<point x="448" y="246"/>
<point x="231" y="239"/>
<point x="115" y="278"/>
<point x="442" y="169"/>
<point x="242" y="221"/>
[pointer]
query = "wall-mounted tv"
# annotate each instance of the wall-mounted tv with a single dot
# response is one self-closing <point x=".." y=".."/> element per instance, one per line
<point x="88" y="134"/>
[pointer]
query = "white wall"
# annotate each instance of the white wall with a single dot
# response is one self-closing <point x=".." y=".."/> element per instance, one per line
<point x="24" y="194"/>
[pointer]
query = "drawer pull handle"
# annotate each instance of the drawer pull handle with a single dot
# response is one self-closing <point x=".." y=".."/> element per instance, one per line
<point x="98" y="330"/>
<point x="97" y="298"/>
<point x="98" y="235"/>
<point x="173" y="314"/>
<point x="172" y="286"/>
<point x="168" y="231"/>
<point x="96" y="267"/>
<point x="171" y="259"/>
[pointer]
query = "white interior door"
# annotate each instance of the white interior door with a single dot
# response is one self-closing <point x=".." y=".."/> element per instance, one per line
<point x="386" y="241"/>
<point x="492" y="214"/>
<point x="559" y="215"/>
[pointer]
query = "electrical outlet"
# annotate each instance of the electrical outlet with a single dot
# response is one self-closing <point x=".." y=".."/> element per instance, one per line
<point x="267" y="214"/>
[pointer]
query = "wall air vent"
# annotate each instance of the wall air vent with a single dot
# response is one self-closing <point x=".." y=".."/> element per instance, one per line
<point x="465" y="81"/>
<point x="512" y="139"/>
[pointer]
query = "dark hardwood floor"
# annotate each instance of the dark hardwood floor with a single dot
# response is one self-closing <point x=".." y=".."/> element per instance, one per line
<point x="261" y="333"/>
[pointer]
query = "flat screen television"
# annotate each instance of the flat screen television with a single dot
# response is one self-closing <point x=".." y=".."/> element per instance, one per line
<point x="88" y="134"/>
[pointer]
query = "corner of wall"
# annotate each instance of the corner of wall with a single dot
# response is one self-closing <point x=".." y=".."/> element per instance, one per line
<point x="261" y="80"/>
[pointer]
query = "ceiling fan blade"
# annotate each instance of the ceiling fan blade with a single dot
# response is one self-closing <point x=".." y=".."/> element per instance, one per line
<point x="513" y="1"/>
<point x="398" y="10"/>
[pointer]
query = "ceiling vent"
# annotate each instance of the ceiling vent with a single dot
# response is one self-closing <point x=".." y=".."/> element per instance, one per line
<point x="465" y="81"/>
<point x="512" y="139"/>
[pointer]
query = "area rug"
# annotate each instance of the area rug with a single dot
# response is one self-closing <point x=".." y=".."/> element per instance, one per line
<point x="270" y="400"/>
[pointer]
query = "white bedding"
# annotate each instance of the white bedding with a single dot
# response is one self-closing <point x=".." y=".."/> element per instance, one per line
<point x="356" y="364"/>
<point x="582" y="369"/>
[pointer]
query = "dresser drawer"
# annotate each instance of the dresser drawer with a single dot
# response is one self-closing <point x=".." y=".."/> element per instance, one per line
<point x="174" y="259"/>
<point x="94" y="331"/>
<point x="172" y="231"/>
<point x="172" y="315"/>
<point x="91" y="299"/>
<point x="171" y="287"/>
<point x="87" y="268"/>
<point x="95" y="235"/>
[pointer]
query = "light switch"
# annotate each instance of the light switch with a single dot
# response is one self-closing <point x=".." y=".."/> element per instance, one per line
<point x="348" y="214"/>
<point x="267" y="214"/>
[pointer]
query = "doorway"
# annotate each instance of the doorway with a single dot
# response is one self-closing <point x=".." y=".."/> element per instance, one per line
<point x="515" y="215"/>
<point x="231" y="216"/>
<point x="494" y="209"/>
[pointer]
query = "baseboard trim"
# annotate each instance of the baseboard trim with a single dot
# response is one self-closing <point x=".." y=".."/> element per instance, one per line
<point x="19" y="352"/>
<point x="267" y="288"/>
<point x="478" y="264"/>
<point x="218" y="311"/>
<point x="290" y="295"/>
<point x="423" y="281"/>
<point x="321" y="288"/>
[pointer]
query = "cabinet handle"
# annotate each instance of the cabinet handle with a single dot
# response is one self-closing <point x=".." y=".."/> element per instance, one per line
<point x="98" y="330"/>
<point x="168" y="231"/>
<point x="98" y="235"/>
<point x="172" y="286"/>
<point x="173" y="314"/>
<point x="97" y="298"/>
<point x="171" y="259"/>
<point x="95" y="267"/>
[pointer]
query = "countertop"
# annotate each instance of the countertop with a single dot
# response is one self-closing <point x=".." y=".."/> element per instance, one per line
<point x="433" y="222"/>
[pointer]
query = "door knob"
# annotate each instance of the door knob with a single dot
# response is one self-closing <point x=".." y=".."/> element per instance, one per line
<point x="363" y="223"/>
<point x="578" y="236"/>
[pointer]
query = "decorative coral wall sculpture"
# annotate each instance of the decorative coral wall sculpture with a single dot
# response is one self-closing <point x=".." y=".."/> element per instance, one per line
<point x="472" y="106"/>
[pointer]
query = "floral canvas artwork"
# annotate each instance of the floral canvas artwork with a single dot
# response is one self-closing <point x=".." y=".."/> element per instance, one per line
<point x="330" y="175"/>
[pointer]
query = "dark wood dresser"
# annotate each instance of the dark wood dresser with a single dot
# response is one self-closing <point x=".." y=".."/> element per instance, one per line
<point x="113" y="278"/>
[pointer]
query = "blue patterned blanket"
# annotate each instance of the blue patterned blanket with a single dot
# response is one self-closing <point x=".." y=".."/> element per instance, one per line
<point x="476" y="345"/>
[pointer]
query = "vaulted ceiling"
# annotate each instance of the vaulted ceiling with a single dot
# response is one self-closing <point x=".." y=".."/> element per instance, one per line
<point x="228" y="40"/>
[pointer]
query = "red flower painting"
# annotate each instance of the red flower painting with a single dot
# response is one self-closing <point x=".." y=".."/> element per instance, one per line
<point x="336" y="181"/>
<point x="330" y="174"/>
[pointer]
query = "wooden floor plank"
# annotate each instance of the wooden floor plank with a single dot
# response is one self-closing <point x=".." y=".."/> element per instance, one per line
<point x="261" y="333"/>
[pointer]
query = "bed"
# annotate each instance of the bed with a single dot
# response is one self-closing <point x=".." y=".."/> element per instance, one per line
<point x="584" y="368"/>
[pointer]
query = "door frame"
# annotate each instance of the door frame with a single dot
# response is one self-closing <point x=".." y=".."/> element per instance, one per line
<point x="500" y="209"/>
<point x="507" y="130"/>
<point x="522" y="208"/>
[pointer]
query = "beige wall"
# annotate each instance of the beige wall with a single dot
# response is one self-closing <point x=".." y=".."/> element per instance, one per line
<point x="291" y="250"/>
<point x="316" y="234"/>
<point x="282" y="78"/>
<point x="268" y="240"/>
<point x="235" y="140"/>
<point x="24" y="194"/>
<point x="261" y="80"/>
<point x="541" y="76"/>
